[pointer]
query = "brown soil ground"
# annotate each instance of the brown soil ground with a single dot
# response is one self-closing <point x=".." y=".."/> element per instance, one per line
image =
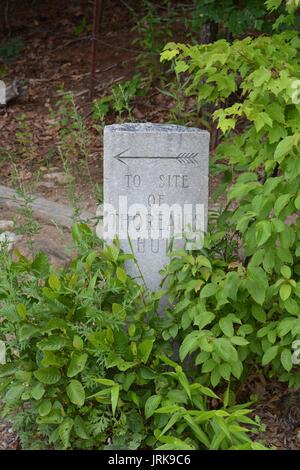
<point x="53" y="56"/>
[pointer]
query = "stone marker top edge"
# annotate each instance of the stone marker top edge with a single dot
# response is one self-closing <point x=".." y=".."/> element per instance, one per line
<point x="148" y="127"/>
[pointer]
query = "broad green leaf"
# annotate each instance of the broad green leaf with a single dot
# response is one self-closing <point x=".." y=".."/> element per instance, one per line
<point x="171" y="363"/>
<point x="189" y="344"/>
<point x="106" y="382"/>
<point x="208" y="366"/>
<point x="181" y="66"/>
<point x="283" y="148"/>
<point x="203" y="318"/>
<point x="55" y="323"/>
<point x="203" y="261"/>
<point x="280" y="203"/>
<point x="45" y="407"/>
<point x="258" y="313"/>
<point x="269" y="355"/>
<point x="151" y="405"/>
<point x="9" y="312"/>
<point x="208" y="290"/>
<point x="54" y="417"/>
<point x="77" y="364"/>
<point x="40" y="265"/>
<point x="48" y="375"/>
<point x="225" y="349"/>
<point x="278" y="225"/>
<point x="239" y="341"/>
<point x="38" y="391"/>
<point x="182" y="305"/>
<point x="8" y="369"/>
<point x="21" y="311"/>
<point x="286" y="359"/>
<point x="284" y="254"/>
<point x="236" y="369"/>
<point x="205" y="343"/>
<point x="184" y="383"/>
<point x="115" y="390"/>
<point x="54" y="282"/>
<point x="263" y="232"/>
<point x="53" y="343"/>
<point x="260" y="119"/>
<point x="168" y="54"/>
<point x="121" y="275"/>
<point x="75" y="392"/>
<point x="215" y="377"/>
<point x="286" y="272"/>
<point x="13" y="394"/>
<point x="77" y="342"/>
<point x="226" y="326"/>
<point x="285" y="291"/>
<point x="27" y="331"/>
<point x="52" y="359"/>
<point x="260" y="76"/>
<point x="177" y="396"/>
<point x="231" y="285"/>
<point x="257" y="284"/>
<point x="171" y="409"/>
<point x="256" y="290"/>
<point x="80" y="428"/>
<point x="145" y="348"/>
<point x="204" y="390"/>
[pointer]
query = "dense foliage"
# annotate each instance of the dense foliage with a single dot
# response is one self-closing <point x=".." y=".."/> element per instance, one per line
<point x="241" y="302"/>
<point x="85" y="367"/>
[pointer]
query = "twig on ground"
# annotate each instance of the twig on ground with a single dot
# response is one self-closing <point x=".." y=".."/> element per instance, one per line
<point x="100" y="87"/>
<point x="68" y="43"/>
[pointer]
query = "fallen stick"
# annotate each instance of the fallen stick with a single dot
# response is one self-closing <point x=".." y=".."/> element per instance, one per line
<point x="101" y="87"/>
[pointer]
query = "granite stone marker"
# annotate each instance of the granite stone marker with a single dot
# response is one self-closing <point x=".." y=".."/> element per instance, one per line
<point x="155" y="191"/>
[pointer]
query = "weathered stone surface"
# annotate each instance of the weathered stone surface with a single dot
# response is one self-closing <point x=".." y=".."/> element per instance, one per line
<point x="43" y="208"/>
<point x="153" y="164"/>
<point x="7" y="239"/>
<point x="59" y="177"/>
<point x="6" y="225"/>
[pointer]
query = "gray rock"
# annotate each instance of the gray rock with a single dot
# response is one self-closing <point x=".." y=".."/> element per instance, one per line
<point x="60" y="177"/>
<point x="6" y="225"/>
<point x="8" y="239"/>
<point x="46" y="184"/>
<point x="2" y="352"/>
<point x="153" y="165"/>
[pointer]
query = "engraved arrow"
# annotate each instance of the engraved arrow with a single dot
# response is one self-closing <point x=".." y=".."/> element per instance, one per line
<point x="184" y="158"/>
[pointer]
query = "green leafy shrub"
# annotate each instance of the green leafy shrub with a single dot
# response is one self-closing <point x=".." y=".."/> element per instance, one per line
<point x="68" y="330"/>
<point x="190" y="424"/>
<point x="72" y="131"/>
<point x="83" y="27"/>
<point x="237" y="302"/>
<point x="84" y="367"/>
<point x="240" y="19"/>
<point x="152" y="29"/>
<point x="120" y="99"/>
